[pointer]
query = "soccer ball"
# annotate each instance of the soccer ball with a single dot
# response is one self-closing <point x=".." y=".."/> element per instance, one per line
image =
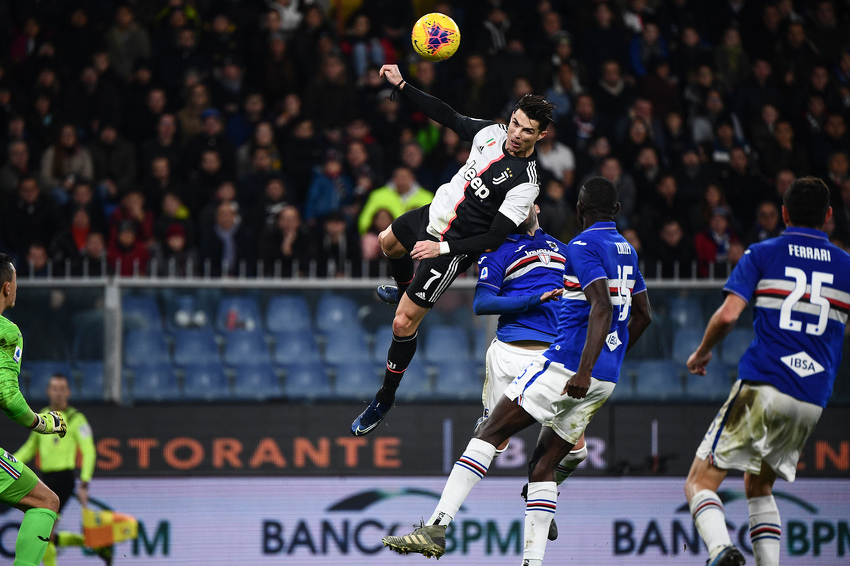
<point x="435" y="37"/>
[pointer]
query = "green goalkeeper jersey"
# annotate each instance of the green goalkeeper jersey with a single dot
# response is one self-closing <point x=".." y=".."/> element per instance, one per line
<point x="59" y="454"/>
<point x="11" y="351"/>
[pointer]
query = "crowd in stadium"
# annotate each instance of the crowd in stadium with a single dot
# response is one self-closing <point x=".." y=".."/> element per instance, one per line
<point x="256" y="137"/>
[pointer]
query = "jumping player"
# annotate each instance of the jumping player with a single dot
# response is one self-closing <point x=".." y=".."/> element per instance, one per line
<point x="605" y="310"/>
<point x="19" y="487"/>
<point x="801" y="285"/>
<point x="521" y="282"/>
<point x="484" y="202"/>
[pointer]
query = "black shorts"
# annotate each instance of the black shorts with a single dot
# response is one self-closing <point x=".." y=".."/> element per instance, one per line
<point x="433" y="276"/>
<point x="61" y="483"/>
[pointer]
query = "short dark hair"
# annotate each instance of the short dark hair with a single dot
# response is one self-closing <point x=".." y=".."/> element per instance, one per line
<point x="807" y="201"/>
<point x="60" y="375"/>
<point x="6" y="268"/>
<point x="536" y="108"/>
<point x="600" y="196"/>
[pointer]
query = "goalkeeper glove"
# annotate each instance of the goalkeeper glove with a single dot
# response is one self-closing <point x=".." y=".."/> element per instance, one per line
<point x="50" y="423"/>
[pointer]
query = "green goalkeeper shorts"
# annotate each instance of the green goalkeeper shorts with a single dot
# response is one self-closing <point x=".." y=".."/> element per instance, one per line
<point x="16" y="479"/>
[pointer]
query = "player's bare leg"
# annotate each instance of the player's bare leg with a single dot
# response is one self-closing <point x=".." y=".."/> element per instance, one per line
<point x="704" y="478"/>
<point x="765" y="523"/>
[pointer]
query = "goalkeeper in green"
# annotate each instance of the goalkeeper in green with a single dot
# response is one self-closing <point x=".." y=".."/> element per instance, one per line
<point x="57" y="462"/>
<point x="19" y="487"/>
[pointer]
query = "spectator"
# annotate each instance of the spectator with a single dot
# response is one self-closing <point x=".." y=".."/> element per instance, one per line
<point x="28" y="218"/>
<point x="710" y="114"/>
<point x="660" y="88"/>
<point x="585" y="125"/>
<point x="173" y="257"/>
<point x="16" y="167"/>
<point x="759" y="89"/>
<point x="330" y="190"/>
<point x="227" y="247"/>
<point x="713" y="197"/>
<point x="64" y="163"/>
<point x="833" y="138"/>
<point x="229" y="88"/>
<point x="211" y="138"/>
<point x="251" y="184"/>
<point x="782" y="152"/>
<point x="266" y="211"/>
<point x="243" y="124"/>
<point x="664" y="203"/>
<point x="262" y="138"/>
<point x="613" y="95"/>
<point x="732" y="62"/>
<point x="763" y="126"/>
<point x="645" y="47"/>
<point x="413" y="158"/>
<point x="604" y="41"/>
<point x="127" y="42"/>
<point x="279" y="74"/>
<point x="670" y="253"/>
<point x="745" y="187"/>
<point x="370" y="248"/>
<point x="327" y="99"/>
<point x="401" y="194"/>
<point x="93" y="101"/>
<point x="132" y="209"/>
<point x="163" y="145"/>
<point x="716" y="245"/>
<point x="556" y="216"/>
<point x="183" y="57"/>
<point x="692" y="54"/>
<point x="768" y="224"/>
<point x="83" y="196"/>
<point x="363" y="47"/>
<point x="189" y="117"/>
<point x="286" y="250"/>
<point x="173" y="213"/>
<point x="338" y="248"/>
<point x="159" y="180"/>
<point x="204" y="182"/>
<point x="221" y="39"/>
<point x="69" y="242"/>
<point x="556" y="158"/>
<point x="114" y="164"/>
<point x="481" y="96"/>
<point x="128" y="256"/>
<point x="92" y="261"/>
<point x="647" y="167"/>
<point x="37" y="264"/>
<point x="563" y="92"/>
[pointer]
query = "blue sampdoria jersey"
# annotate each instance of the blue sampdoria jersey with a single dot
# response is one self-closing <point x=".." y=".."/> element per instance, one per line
<point x="599" y="252"/>
<point x="523" y="266"/>
<point x="801" y="284"/>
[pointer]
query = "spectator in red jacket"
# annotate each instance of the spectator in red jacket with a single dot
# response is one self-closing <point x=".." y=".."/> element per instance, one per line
<point x="717" y="244"/>
<point x="127" y="255"/>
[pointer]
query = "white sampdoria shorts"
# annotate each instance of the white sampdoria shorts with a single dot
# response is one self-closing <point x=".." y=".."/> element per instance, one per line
<point x="538" y="391"/>
<point x="504" y="364"/>
<point x="756" y="424"/>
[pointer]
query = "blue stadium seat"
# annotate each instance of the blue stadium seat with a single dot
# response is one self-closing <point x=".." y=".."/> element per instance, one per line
<point x="625" y="388"/>
<point x="195" y="346"/>
<point x="482" y="341"/>
<point x="345" y="344"/>
<point x="91" y="381"/>
<point x="658" y="380"/>
<point x="205" y="382"/>
<point x="356" y="380"/>
<point x="416" y="384"/>
<point x="713" y="386"/>
<point x="88" y="335"/>
<point x="735" y="344"/>
<point x="685" y="312"/>
<point x="243" y="347"/>
<point x="186" y="310"/>
<point x="381" y="343"/>
<point x="288" y="313"/>
<point x="335" y="311"/>
<point x="256" y="381"/>
<point x="446" y="343"/>
<point x="653" y="344"/>
<point x="144" y="347"/>
<point x="140" y="312"/>
<point x="295" y="346"/>
<point x="685" y="341"/>
<point x="238" y="312"/>
<point x="40" y="373"/>
<point x="155" y="382"/>
<point x="459" y="381"/>
<point x="307" y="382"/>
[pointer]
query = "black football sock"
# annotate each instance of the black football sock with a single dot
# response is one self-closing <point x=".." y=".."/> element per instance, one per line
<point x="401" y="268"/>
<point x="398" y="358"/>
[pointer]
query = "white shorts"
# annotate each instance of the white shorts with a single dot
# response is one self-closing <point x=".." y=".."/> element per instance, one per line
<point x="504" y="364"/>
<point x="759" y="423"/>
<point x="538" y="391"/>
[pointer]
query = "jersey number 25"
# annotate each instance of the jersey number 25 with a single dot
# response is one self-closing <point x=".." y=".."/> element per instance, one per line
<point x="815" y="298"/>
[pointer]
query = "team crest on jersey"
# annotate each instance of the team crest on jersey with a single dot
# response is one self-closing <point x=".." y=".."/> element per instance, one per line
<point x="17" y="355"/>
<point x="552" y="245"/>
<point x="544" y="256"/>
<point x="506" y="174"/>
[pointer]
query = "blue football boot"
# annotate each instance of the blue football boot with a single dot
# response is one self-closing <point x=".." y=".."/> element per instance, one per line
<point x="388" y="293"/>
<point x="729" y="556"/>
<point x="370" y="418"/>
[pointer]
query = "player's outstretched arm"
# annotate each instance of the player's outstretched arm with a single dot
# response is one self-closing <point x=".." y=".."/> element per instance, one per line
<point x="488" y="301"/>
<point x="474" y="245"/>
<point x="640" y="316"/>
<point x="433" y="107"/>
<point x="12" y="403"/>
<point x="722" y="322"/>
<point x="598" y="325"/>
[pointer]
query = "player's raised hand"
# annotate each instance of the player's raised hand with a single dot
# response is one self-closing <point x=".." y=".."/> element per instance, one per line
<point x="552" y="295"/>
<point x="50" y="423"/>
<point x="577" y="386"/>
<point x="425" y="249"/>
<point x="391" y="73"/>
<point x="697" y="362"/>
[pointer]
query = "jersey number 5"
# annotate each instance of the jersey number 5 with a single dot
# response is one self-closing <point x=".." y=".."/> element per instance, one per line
<point x="815" y="298"/>
<point x="623" y="272"/>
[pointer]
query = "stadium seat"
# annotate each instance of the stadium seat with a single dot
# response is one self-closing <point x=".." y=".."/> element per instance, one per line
<point x="381" y="343"/>
<point x="356" y="380"/>
<point x="713" y="386"/>
<point x="482" y="341"/>
<point x="140" y="312"/>
<point x="91" y="381"/>
<point x="205" y="382"/>
<point x="459" y="381"/>
<point x="155" y="382"/>
<point x="88" y="335"/>
<point x="256" y="381"/>
<point x="658" y="380"/>
<point x="243" y="347"/>
<point x="345" y="344"/>
<point x="416" y="384"/>
<point x="186" y="310"/>
<point x="144" y="347"/>
<point x="238" y="312"/>
<point x="307" y="382"/>
<point x="735" y="344"/>
<point x="624" y="391"/>
<point x="195" y="346"/>
<point x="684" y="312"/>
<point x="446" y="343"/>
<point x="335" y="311"/>
<point x="288" y="313"/>
<point x="295" y="346"/>
<point x="685" y="341"/>
<point x="653" y="343"/>
<point x="40" y="373"/>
